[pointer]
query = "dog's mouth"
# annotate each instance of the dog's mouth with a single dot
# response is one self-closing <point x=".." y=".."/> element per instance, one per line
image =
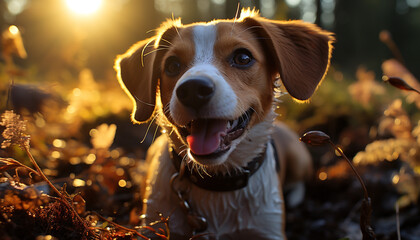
<point x="211" y="138"/>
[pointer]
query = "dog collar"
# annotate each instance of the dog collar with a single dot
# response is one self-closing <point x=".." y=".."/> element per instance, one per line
<point x="220" y="182"/>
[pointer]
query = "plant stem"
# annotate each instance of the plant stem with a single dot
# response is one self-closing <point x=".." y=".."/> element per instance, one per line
<point x="397" y="215"/>
<point x="119" y="226"/>
<point x="41" y="173"/>
<point x="366" y="208"/>
<point x="18" y="163"/>
<point x="366" y="196"/>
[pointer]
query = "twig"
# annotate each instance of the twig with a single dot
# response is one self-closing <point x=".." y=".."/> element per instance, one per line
<point x="40" y="173"/>
<point x="397" y="216"/>
<point x="366" y="209"/>
<point x="119" y="226"/>
<point x="20" y="164"/>
<point x="64" y="199"/>
<point x="365" y="192"/>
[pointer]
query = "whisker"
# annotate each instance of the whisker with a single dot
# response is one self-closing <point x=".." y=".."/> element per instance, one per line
<point x="186" y="160"/>
<point x="148" y="128"/>
<point x="172" y="131"/>
<point x="166" y="46"/>
<point x="183" y="148"/>
<point x="168" y="42"/>
<point x="204" y="170"/>
<point x="244" y="118"/>
<point x="155" y="50"/>
<point x="184" y="157"/>
<point x="190" y="160"/>
<point x="166" y="108"/>
<point x="198" y="170"/>
<point x="183" y="151"/>
<point x="166" y="111"/>
<point x="151" y="30"/>
<point x="258" y="115"/>
<point x="235" y="18"/>
<point x="145" y="103"/>
<point x="176" y="29"/>
<point x="154" y="135"/>
<point x="142" y="51"/>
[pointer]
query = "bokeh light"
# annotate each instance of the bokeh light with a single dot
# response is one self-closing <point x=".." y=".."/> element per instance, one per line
<point x="323" y="176"/>
<point x="293" y="3"/>
<point x="13" y="30"/>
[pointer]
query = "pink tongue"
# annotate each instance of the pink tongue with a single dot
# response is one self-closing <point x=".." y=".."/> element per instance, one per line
<point x="205" y="135"/>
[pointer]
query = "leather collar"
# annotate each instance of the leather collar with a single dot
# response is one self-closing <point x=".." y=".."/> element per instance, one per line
<point x="220" y="182"/>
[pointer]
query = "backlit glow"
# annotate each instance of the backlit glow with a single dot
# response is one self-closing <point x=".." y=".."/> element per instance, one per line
<point x="84" y="7"/>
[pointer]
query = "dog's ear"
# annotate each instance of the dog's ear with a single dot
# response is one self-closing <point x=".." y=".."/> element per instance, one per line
<point x="138" y="76"/>
<point x="300" y="52"/>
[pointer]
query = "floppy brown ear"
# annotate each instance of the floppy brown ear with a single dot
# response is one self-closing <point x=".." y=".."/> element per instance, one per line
<point x="138" y="76"/>
<point x="300" y="52"/>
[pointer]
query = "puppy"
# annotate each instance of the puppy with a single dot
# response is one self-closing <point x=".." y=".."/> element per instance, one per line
<point x="218" y="168"/>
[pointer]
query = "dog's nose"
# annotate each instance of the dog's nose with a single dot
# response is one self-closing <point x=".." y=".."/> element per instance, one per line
<point x="196" y="92"/>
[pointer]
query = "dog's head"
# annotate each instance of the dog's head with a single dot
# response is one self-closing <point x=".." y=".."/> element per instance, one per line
<point x="215" y="80"/>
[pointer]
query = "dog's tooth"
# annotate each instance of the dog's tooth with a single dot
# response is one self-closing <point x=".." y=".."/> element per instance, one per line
<point x="235" y="123"/>
<point x="229" y="125"/>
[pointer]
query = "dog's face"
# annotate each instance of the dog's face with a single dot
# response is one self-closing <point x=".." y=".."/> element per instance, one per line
<point x="216" y="79"/>
<point x="214" y="86"/>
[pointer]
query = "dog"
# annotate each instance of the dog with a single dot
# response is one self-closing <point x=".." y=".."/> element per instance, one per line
<point x="218" y="169"/>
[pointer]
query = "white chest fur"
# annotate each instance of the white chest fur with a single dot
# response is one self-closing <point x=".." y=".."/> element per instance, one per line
<point x="254" y="211"/>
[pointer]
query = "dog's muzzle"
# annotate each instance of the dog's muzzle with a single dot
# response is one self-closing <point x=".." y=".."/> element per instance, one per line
<point x="207" y="137"/>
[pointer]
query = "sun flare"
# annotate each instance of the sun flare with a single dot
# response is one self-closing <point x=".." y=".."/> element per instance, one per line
<point x="84" y="7"/>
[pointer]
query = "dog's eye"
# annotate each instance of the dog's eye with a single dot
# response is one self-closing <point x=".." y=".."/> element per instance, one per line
<point x="242" y="58"/>
<point x="172" y="66"/>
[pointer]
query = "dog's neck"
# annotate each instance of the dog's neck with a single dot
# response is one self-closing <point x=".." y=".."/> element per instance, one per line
<point x="256" y="140"/>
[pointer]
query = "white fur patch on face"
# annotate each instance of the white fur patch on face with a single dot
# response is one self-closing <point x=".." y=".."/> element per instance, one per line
<point x="204" y="39"/>
<point x="224" y="101"/>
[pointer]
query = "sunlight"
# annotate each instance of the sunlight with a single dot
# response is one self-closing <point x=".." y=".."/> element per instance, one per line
<point x="84" y="7"/>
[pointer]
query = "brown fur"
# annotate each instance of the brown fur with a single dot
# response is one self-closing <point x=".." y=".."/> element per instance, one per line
<point x="300" y="52"/>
